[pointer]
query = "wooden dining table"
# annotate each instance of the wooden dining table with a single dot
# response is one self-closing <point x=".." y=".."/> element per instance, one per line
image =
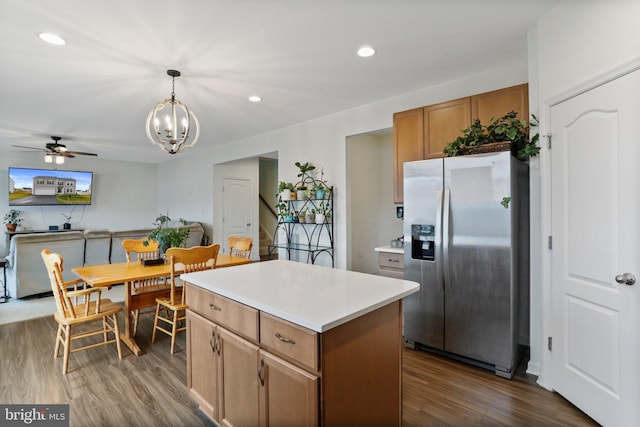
<point x="107" y="275"/>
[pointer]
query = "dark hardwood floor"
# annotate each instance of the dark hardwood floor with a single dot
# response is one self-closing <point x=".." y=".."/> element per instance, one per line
<point x="151" y="390"/>
<point x="438" y="391"/>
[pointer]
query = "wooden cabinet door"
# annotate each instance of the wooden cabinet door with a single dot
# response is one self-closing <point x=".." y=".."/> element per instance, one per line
<point x="202" y="364"/>
<point x="497" y="103"/>
<point x="443" y="123"/>
<point x="239" y="385"/>
<point x="288" y="394"/>
<point x="408" y="145"/>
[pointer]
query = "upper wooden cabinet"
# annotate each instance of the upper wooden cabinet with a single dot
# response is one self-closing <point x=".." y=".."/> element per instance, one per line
<point x="497" y="103"/>
<point x="422" y="133"/>
<point x="408" y="145"/>
<point x="443" y="123"/>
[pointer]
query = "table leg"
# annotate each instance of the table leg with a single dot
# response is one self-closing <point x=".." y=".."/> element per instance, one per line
<point x="128" y="327"/>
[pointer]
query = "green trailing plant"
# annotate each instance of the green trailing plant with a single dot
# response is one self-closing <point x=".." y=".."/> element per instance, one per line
<point x="167" y="236"/>
<point x="506" y="128"/>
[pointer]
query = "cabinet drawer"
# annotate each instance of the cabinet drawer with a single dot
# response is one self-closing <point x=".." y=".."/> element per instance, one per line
<point x="223" y="311"/>
<point x="391" y="260"/>
<point x="292" y="341"/>
<point x="391" y="272"/>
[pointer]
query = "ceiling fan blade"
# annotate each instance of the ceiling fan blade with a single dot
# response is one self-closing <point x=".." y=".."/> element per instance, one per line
<point x="81" y="153"/>
<point x="28" y="148"/>
<point x="66" y="154"/>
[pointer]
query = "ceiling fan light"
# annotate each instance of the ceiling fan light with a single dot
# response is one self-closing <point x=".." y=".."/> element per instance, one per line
<point x="59" y="160"/>
<point x="48" y="158"/>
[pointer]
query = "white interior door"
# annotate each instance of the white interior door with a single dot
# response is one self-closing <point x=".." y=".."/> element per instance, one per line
<point x="596" y="236"/>
<point x="236" y="209"/>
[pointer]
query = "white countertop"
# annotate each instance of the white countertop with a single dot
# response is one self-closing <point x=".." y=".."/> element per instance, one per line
<point x="318" y="298"/>
<point x="388" y="248"/>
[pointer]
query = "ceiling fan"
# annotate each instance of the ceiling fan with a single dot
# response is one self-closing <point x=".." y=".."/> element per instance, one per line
<point x="57" y="149"/>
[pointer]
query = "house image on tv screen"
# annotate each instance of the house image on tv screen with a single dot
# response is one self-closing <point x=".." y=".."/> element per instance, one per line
<point x="51" y="186"/>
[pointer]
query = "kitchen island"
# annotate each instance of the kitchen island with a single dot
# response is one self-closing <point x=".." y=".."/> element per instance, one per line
<point x="285" y="343"/>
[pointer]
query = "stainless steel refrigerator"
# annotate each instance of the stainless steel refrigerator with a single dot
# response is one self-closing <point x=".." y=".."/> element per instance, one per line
<point x="466" y="231"/>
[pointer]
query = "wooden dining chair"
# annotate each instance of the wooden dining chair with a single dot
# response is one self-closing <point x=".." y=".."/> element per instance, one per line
<point x="77" y="306"/>
<point x="183" y="260"/>
<point x="136" y="250"/>
<point x="240" y="246"/>
<point x="142" y="252"/>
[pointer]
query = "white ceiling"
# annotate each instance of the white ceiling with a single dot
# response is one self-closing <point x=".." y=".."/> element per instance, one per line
<point x="298" y="55"/>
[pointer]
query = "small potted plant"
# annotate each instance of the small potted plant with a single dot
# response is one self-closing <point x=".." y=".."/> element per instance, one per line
<point x="320" y="189"/>
<point x="302" y="216"/>
<point x="310" y="216"/>
<point x="12" y="219"/>
<point x="285" y="190"/>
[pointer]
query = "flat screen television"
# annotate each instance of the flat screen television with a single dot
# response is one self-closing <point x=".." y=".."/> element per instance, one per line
<point x="43" y="187"/>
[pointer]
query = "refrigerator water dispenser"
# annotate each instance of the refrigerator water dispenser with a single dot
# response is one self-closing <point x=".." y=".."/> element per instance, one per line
<point x="423" y="241"/>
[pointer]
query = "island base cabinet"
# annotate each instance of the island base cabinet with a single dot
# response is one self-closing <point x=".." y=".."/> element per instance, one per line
<point x="202" y="364"/>
<point x="349" y="375"/>
<point x="288" y="394"/>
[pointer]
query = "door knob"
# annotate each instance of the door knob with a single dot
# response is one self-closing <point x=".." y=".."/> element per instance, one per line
<point x="626" y="278"/>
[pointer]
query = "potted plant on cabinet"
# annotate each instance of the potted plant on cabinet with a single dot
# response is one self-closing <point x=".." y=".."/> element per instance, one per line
<point x="12" y="219"/>
<point x="502" y="134"/>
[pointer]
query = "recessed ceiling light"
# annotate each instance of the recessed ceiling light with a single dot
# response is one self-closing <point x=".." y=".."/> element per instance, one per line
<point x="52" y="39"/>
<point x="255" y="98"/>
<point x="366" y="51"/>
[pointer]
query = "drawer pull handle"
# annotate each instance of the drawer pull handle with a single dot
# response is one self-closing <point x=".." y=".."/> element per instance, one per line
<point x="286" y="340"/>
<point x="393" y="260"/>
<point x="215" y="307"/>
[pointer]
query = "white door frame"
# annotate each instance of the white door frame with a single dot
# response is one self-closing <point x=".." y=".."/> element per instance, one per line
<point x="544" y="375"/>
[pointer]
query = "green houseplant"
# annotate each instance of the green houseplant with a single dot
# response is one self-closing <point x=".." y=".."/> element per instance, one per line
<point x="167" y="236"/>
<point x="12" y="219"/>
<point x="508" y="128"/>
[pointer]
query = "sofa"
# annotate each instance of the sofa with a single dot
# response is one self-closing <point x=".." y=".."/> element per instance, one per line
<point x="26" y="273"/>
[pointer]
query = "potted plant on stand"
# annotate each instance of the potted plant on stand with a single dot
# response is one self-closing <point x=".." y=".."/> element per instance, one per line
<point x="285" y="190"/>
<point x="12" y="219"/>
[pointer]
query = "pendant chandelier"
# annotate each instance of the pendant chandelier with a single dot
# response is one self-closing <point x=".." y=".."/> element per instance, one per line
<point x="178" y="129"/>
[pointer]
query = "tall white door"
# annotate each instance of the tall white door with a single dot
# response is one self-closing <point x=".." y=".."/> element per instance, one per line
<point x="596" y="250"/>
<point x="236" y="209"/>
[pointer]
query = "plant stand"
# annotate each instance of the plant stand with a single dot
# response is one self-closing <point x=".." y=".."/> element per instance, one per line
<point x="313" y="239"/>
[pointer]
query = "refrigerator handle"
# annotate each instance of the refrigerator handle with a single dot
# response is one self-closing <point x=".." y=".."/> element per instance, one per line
<point x="446" y="211"/>
<point x="438" y="242"/>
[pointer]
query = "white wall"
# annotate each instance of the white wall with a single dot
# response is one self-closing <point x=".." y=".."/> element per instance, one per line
<point x="323" y="142"/>
<point x="124" y="194"/>
<point x="573" y="45"/>
<point x="371" y="213"/>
